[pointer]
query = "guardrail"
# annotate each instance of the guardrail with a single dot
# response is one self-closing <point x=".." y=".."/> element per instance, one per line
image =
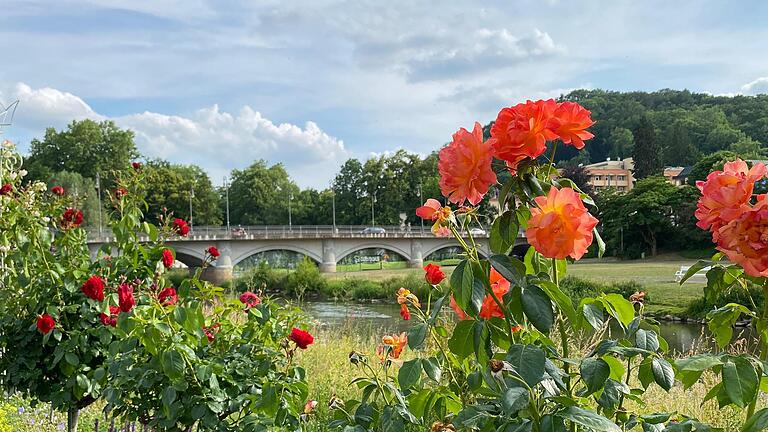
<point x="254" y="232"/>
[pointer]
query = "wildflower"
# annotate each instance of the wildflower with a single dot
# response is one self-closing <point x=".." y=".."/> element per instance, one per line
<point x="394" y="344"/>
<point x="45" y="323"/>
<point x="181" y="227"/>
<point x="569" y="123"/>
<point x="93" y="288"/>
<point x="250" y="299"/>
<point x="637" y="297"/>
<point x="167" y="258"/>
<point x="560" y="226"/>
<point x="6" y="189"/>
<point x="111" y="319"/>
<point x="136" y="165"/>
<point x="442" y="231"/>
<point x="57" y="190"/>
<point x="522" y="131"/>
<point x="489" y="308"/>
<point x="745" y="239"/>
<point x="301" y="338"/>
<point x="439" y="426"/>
<point x="213" y="251"/>
<point x="168" y="296"/>
<point x="725" y="194"/>
<point x="310" y="406"/>
<point x="434" y="275"/>
<point x="465" y="167"/>
<point x="72" y="218"/>
<point x="120" y="192"/>
<point x="125" y="297"/>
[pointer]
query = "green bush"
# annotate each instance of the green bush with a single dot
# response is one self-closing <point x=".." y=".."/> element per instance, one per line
<point x="578" y="288"/>
<point x="305" y="279"/>
<point x="701" y="306"/>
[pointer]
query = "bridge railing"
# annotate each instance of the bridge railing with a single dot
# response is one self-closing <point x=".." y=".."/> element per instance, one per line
<point x="252" y="232"/>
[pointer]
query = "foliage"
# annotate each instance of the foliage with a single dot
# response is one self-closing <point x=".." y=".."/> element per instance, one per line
<point x="200" y="361"/>
<point x="709" y="163"/>
<point x="169" y="187"/>
<point x="86" y="147"/>
<point x="646" y="152"/>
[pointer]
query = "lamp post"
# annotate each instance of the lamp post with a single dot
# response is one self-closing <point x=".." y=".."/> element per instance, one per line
<point x="226" y="192"/>
<point x="98" y="189"/>
<point x="421" y="200"/>
<point x="290" y="222"/>
<point x="333" y="207"/>
<point x="191" y="195"/>
<point x="373" y="212"/>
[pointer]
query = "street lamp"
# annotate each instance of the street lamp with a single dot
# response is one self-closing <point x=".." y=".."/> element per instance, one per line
<point x="421" y="200"/>
<point x="226" y="190"/>
<point x="290" y="222"/>
<point x="373" y="212"/>
<point x="191" y="195"/>
<point x="333" y="207"/>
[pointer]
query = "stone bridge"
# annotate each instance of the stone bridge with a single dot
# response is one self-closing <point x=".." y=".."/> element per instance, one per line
<point x="325" y="245"/>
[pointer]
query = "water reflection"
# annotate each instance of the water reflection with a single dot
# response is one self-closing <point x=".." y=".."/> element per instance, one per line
<point x="365" y="319"/>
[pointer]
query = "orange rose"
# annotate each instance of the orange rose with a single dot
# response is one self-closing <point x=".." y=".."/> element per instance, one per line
<point x="569" y="123"/>
<point x="489" y="308"/>
<point x="396" y="344"/>
<point x="522" y="131"/>
<point x="560" y="226"/>
<point x="726" y="194"/>
<point x="745" y="239"/>
<point x="465" y="167"/>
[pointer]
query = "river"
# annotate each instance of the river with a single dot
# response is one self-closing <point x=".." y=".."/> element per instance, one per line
<point x="378" y="318"/>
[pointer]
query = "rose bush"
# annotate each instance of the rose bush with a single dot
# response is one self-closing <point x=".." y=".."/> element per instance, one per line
<point x="508" y="364"/>
<point x="76" y="325"/>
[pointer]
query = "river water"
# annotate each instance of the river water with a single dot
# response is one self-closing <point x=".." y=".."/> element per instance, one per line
<point x="378" y="318"/>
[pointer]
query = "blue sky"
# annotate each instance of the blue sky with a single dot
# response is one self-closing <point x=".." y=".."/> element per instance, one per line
<point x="220" y="83"/>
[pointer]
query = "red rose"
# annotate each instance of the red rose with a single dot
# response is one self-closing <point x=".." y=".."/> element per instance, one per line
<point x="45" y="323"/>
<point x="136" y="165"/>
<point x="111" y="319"/>
<point x="213" y="252"/>
<point x="301" y="338"/>
<point x="433" y="274"/>
<point x="72" y="218"/>
<point x="57" y="190"/>
<point x="93" y="288"/>
<point x="6" y="189"/>
<point x="250" y="299"/>
<point x="121" y="192"/>
<point x="180" y="226"/>
<point x="167" y="258"/>
<point x="210" y="332"/>
<point x="125" y="297"/>
<point x="168" y="297"/>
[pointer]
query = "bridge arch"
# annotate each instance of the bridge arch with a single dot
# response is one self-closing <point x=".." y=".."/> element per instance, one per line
<point x="190" y="257"/>
<point x="373" y="245"/>
<point x="277" y="247"/>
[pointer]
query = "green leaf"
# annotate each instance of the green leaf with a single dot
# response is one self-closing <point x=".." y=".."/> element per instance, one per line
<point x="740" y="381"/>
<point x="416" y="335"/>
<point x="757" y="422"/>
<point x="647" y="340"/>
<point x="663" y="373"/>
<point x="617" y="367"/>
<point x="645" y="373"/>
<point x="72" y="358"/>
<point x="699" y="362"/>
<point x="700" y="265"/>
<point x="528" y="361"/>
<point x="481" y="341"/>
<point x="514" y="399"/>
<point x="562" y="301"/>
<point x="721" y="321"/>
<point x="173" y="364"/>
<point x="432" y="368"/>
<point x="169" y="396"/>
<point x="461" y="343"/>
<point x="619" y="307"/>
<point x="409" y="373"/>
<point x="600" y="242"/>
<point x="588" y="419"/>
<point x="611" y="395"/>
<point x="594" y="372"/>
<point x="593" y="314"/>
<point x="504" y="232"/>
<point x="538" y="308"/>
<point x="512" y="269"/>
<point x="461" y="284"/>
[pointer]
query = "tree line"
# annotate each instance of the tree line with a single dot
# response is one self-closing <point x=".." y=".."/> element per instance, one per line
<point x="663" y="128"/>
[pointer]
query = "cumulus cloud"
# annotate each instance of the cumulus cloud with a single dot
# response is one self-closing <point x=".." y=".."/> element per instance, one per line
<point x="755" y="87"/>
<point x="216" y="140"/>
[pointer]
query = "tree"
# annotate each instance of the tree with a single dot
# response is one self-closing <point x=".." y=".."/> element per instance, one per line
<point x="86" y="147"/>
<point x="646" y="152"/>
<point x="169" y="186"/>
<point x="622" y="141"/>
<point x="579" y="175"/>
<point x="749" y="148"/>
<point x="709" y="163"/>
<point x="260" y="195"/>
<point x="680" y="149"/>
<point x="645" y="212"/>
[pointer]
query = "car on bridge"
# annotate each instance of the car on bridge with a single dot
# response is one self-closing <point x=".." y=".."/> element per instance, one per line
<point x="373" y="230"/>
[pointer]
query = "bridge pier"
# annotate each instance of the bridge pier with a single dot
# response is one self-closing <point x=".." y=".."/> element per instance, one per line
<point x="221" y="271"/>
<point x="416" y="259"/>
<point x="329" y="256"/>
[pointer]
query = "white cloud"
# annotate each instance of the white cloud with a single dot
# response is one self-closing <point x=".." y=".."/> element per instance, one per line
<point x="757" y="86"/>
<point x="216" y="140"/>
